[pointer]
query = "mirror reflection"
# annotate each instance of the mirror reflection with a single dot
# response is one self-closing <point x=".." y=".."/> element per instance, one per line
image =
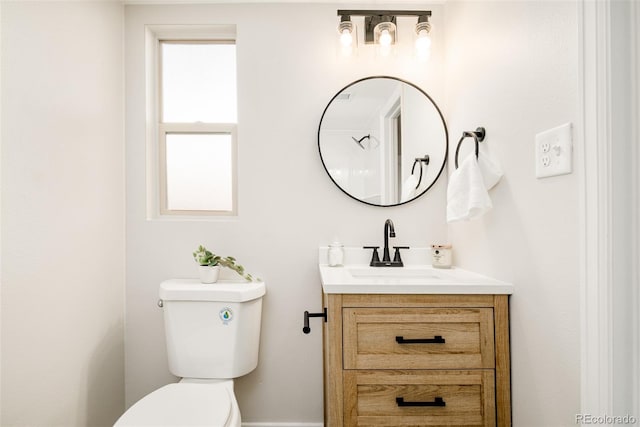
<point x="383" y="141"/>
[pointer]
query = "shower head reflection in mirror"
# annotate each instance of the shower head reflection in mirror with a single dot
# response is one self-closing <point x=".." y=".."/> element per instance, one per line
<point x="372" y="142"/>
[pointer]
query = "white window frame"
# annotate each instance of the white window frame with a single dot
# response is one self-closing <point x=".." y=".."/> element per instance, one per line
<point x="156" y="130"/>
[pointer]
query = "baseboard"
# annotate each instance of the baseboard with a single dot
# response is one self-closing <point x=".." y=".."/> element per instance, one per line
<point x="282" y="424"/>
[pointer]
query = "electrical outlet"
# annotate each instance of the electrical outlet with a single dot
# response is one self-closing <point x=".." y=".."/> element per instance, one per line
<point x="554" y="152"/>
<point x="545" y="147"/>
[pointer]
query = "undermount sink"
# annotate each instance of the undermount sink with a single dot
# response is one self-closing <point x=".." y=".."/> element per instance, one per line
<point x="422" y="272"/>
<point x="415" y="277"/>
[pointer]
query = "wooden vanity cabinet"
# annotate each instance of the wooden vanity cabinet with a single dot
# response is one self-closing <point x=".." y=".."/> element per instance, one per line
<point x="416" y="360"/>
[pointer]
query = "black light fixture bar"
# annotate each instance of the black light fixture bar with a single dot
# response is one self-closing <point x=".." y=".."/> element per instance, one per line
<point x="349" y="12"/>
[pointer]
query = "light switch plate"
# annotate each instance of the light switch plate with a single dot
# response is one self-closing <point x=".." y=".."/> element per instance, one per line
<point x="554" y="151"/>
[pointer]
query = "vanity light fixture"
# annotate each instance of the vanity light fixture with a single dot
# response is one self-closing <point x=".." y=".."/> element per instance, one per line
<point x="380" y="28"/>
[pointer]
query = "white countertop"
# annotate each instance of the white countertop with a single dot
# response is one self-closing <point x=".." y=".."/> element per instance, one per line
<point x="416" y="277"/>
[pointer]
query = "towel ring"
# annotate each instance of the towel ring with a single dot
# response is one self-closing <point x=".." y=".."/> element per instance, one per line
<point x="420" y="160"/>
<point x="478" y="137"/>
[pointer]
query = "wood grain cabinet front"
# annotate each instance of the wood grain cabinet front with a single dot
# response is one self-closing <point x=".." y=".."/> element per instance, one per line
<point x="419" y="398"/>
<point x="418" y="338"/>
<point x="421" y="360"/>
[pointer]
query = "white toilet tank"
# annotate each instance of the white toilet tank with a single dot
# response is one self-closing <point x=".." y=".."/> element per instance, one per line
<point x="212" y="330"/>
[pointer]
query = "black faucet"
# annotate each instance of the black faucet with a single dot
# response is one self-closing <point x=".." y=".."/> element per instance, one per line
<point x="389" y="231"/>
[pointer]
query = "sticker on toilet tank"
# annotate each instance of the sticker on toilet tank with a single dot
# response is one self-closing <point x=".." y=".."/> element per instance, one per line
<point x="226" y="315"/>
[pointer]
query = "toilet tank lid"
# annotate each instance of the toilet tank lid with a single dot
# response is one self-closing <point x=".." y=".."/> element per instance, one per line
<point x="223" y="290"/>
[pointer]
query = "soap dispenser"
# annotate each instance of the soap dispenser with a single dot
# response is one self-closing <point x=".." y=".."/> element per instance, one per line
<point x="336" y="254"/>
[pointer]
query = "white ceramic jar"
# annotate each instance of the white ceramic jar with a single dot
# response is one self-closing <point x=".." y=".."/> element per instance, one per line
<point x="441" y="256"/>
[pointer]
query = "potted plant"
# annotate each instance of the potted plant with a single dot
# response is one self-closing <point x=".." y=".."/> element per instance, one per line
<point x="209" y="265"/>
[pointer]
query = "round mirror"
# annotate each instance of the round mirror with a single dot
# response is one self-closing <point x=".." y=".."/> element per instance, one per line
<point x="383" y="141"/>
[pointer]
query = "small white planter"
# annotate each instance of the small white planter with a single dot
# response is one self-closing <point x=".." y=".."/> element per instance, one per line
<point x="209" y="274"/>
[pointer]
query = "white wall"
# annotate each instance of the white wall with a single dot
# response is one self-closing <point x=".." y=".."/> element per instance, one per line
<point x="62" y="214"/>
<point x="288" y="72"/>
<point x="513" y="68"/>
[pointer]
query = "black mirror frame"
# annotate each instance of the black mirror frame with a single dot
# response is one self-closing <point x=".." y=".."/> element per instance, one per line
<point x="444" y="124"/>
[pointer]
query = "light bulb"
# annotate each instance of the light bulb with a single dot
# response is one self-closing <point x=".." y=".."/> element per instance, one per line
<point x="385" y="38"/>
<point x="423" y="41"/>
<point x="346" y="39"/>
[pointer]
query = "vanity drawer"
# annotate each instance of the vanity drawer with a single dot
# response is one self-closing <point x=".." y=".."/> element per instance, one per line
<point x="418" y="338"/>
<point x="419" y="398"/>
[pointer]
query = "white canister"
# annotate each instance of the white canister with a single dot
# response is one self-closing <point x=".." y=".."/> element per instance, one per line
<point x="441" y="256"/>
<point x="336" y="254"/>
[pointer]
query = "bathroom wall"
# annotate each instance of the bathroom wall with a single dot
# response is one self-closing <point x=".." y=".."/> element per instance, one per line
<point x="62" y="214"/>
<point x="288" y="70"/>
<point x="509" y="66"/>
<point x="513" y="68"/>
<point x="62" y="153"/>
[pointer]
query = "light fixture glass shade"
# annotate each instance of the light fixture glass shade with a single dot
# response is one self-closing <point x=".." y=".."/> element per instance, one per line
<point x="347" y="40"/>
<point x="384" y="38"/>
<point x="347" y="33"/>
<point x="423" y="41"/>
<point x="384" y="34"/>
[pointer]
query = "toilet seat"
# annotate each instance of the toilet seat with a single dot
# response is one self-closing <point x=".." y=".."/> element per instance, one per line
<point x="181" y="404"/>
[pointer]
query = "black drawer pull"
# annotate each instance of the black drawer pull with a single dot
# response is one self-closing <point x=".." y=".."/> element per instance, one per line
<point x="435" y="340"/>
<point x="438" y="401"/>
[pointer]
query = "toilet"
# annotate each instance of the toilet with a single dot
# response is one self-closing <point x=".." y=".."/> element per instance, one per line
<point x="213" y="336"/>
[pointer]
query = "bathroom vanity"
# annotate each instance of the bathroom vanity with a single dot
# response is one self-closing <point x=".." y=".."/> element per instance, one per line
<point x="414" y="346"/>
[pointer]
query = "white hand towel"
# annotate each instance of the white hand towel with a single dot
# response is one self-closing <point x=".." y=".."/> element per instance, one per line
<point x="467" y="196"/>
<point x="491" y="172"/>
<point x="409" y="188"/>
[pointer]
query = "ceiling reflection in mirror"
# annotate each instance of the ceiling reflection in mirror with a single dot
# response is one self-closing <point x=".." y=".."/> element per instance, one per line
<point x="383" y="141"/>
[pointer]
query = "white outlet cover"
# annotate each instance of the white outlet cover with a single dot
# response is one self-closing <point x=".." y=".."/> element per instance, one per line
<point x="554" y="152"/>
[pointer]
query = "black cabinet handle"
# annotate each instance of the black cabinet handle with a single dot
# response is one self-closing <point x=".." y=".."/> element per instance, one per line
<point x="438" y="401"/>
<point x="435" y="340"/>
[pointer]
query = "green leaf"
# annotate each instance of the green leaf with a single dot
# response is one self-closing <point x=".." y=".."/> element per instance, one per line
<point x="207" y="258"/>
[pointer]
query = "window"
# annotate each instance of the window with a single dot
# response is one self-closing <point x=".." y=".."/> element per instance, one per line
<point x="199" y="172"/>
<point x="192" y="138"/>
<point x="198" y="82"/>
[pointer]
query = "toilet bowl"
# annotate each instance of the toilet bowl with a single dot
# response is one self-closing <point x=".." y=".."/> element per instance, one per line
<point x="190" y="402"/>
<point x="213" y="335"/>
